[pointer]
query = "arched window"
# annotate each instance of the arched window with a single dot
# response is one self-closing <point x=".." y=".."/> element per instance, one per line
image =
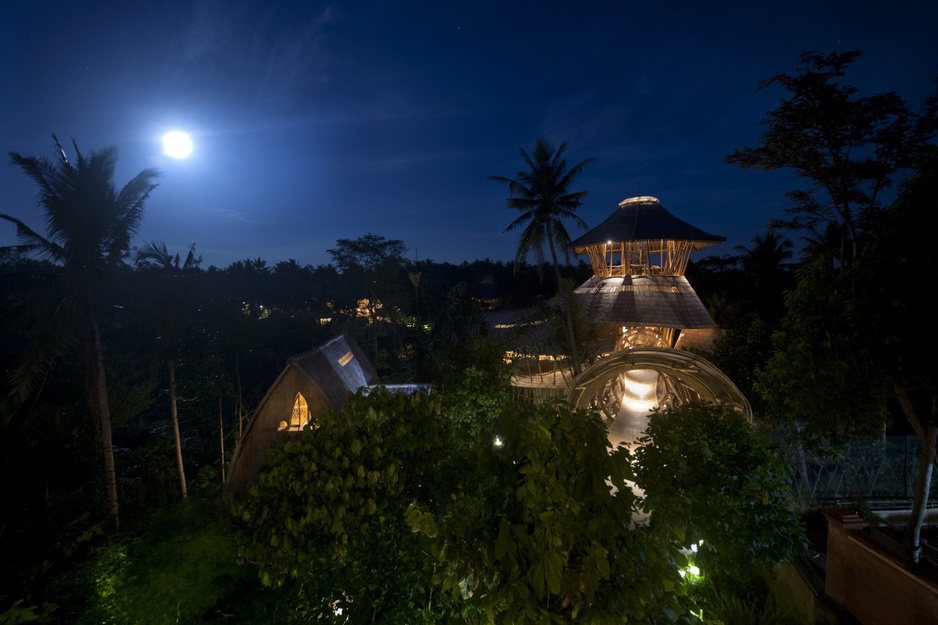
<point x="299" y="417"/>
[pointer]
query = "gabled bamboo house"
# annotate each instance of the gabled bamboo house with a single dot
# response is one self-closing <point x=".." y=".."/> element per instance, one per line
<point x="311" y="384"/>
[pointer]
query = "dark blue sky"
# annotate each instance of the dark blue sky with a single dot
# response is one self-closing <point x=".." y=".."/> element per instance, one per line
<point x="315" y="121"/>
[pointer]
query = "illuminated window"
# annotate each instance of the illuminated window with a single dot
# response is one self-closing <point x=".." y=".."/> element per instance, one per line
<point x="299" y="417"/>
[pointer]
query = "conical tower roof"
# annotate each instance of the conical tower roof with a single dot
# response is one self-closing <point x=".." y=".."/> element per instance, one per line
<point x="642" y="219"/>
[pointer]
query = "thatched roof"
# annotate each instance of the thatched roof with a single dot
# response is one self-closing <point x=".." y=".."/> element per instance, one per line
<point x="614" y="302"/>
<point x="643" y="218"/>
<point x="338" y="366"/>
<point x="663" y="301"/>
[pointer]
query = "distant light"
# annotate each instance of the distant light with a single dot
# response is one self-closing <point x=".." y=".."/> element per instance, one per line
<point x="177" y="144"/>
<point x="498" y="442"/>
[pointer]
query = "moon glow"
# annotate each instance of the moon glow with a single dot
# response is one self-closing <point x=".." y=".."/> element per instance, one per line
<point x="177" y="144"/>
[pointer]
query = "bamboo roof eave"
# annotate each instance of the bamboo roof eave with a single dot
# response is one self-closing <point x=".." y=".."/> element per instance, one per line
<point x="696" y="244"/>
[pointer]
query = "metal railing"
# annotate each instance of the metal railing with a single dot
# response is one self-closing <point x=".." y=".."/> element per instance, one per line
<point x="875" y="469"/>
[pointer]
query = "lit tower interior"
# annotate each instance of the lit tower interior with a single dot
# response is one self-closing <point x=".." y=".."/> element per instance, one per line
<point x="639" y="299"/>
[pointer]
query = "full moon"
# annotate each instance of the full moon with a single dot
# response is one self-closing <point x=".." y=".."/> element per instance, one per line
<point x="177" y="144"/>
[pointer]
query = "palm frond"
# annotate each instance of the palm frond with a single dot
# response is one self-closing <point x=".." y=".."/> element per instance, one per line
<point x="33" y="241"/>
<point x="154" y="254"/>
<point x="191" y="261"/>
<point x="520" y="221"/>
<point x="87" y="222"/>
<point x="541" y="193"/>
<point x="49" y="317"/>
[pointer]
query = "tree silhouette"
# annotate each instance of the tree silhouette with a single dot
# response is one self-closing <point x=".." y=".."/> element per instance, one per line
<point x="89" y="227"/>
<point x="764" y="265"/>
<point x="855" y="341"/>
<point x="167" y="311"/>
<point x="542" y="194"/>
<point x="846" y="147"/>
<point x="373" y="264"/>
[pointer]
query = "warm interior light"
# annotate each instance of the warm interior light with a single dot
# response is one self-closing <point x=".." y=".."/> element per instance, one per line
<point x="640" y="390"/>
<point x="299" y="417"/>
<point x="641" y="383"/>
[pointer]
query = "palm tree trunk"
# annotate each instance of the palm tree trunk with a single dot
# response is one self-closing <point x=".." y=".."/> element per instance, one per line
<point x="174" y="416"/>
<point x="373" y="311"/>
<point x="98" y="380"/>
<point x="240" y="402"/>
<point x="574" y="352"/>
<point x="221" y="440"/>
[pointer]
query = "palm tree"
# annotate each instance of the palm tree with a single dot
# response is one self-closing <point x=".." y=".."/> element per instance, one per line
<point x="89" y="227"/>
<point x="542" y="194"/>
<point x="765" y="264"/>
<point x="155" y="257"/>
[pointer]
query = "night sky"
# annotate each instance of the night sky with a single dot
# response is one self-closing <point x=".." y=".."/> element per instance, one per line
<point x="315" y="121"/>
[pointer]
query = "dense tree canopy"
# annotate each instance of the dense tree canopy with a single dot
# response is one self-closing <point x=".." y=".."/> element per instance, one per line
<point x="707" y="472"/>
<point x="766" y="265"/>
<point x="543" y="532"/>
<point x="855" y="342"/>
<point x="847" y="147"/>
<point x="327" y="515"/>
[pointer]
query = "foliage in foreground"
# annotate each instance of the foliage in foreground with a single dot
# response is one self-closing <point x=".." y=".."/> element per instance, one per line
<point x="543" y="533"/>
<point x="376" y="516"/>
<point x="722" y="607"/>
<point x="327" y="516"/>
<point x="181" y="569"/>
<point x="707" y="474"/>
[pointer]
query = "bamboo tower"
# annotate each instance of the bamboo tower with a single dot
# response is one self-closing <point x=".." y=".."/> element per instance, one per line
<point x="637" y="299"/>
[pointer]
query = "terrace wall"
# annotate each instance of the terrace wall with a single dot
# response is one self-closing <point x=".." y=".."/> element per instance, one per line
<point x="875" y="584"/>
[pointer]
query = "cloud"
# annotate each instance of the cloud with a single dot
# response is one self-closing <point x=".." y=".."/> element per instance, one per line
<point x="231" y="214"/>
<point x="263" y="54"/>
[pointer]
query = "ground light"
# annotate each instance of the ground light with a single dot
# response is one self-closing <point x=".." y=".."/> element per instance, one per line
<point x="691" y="573"/>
